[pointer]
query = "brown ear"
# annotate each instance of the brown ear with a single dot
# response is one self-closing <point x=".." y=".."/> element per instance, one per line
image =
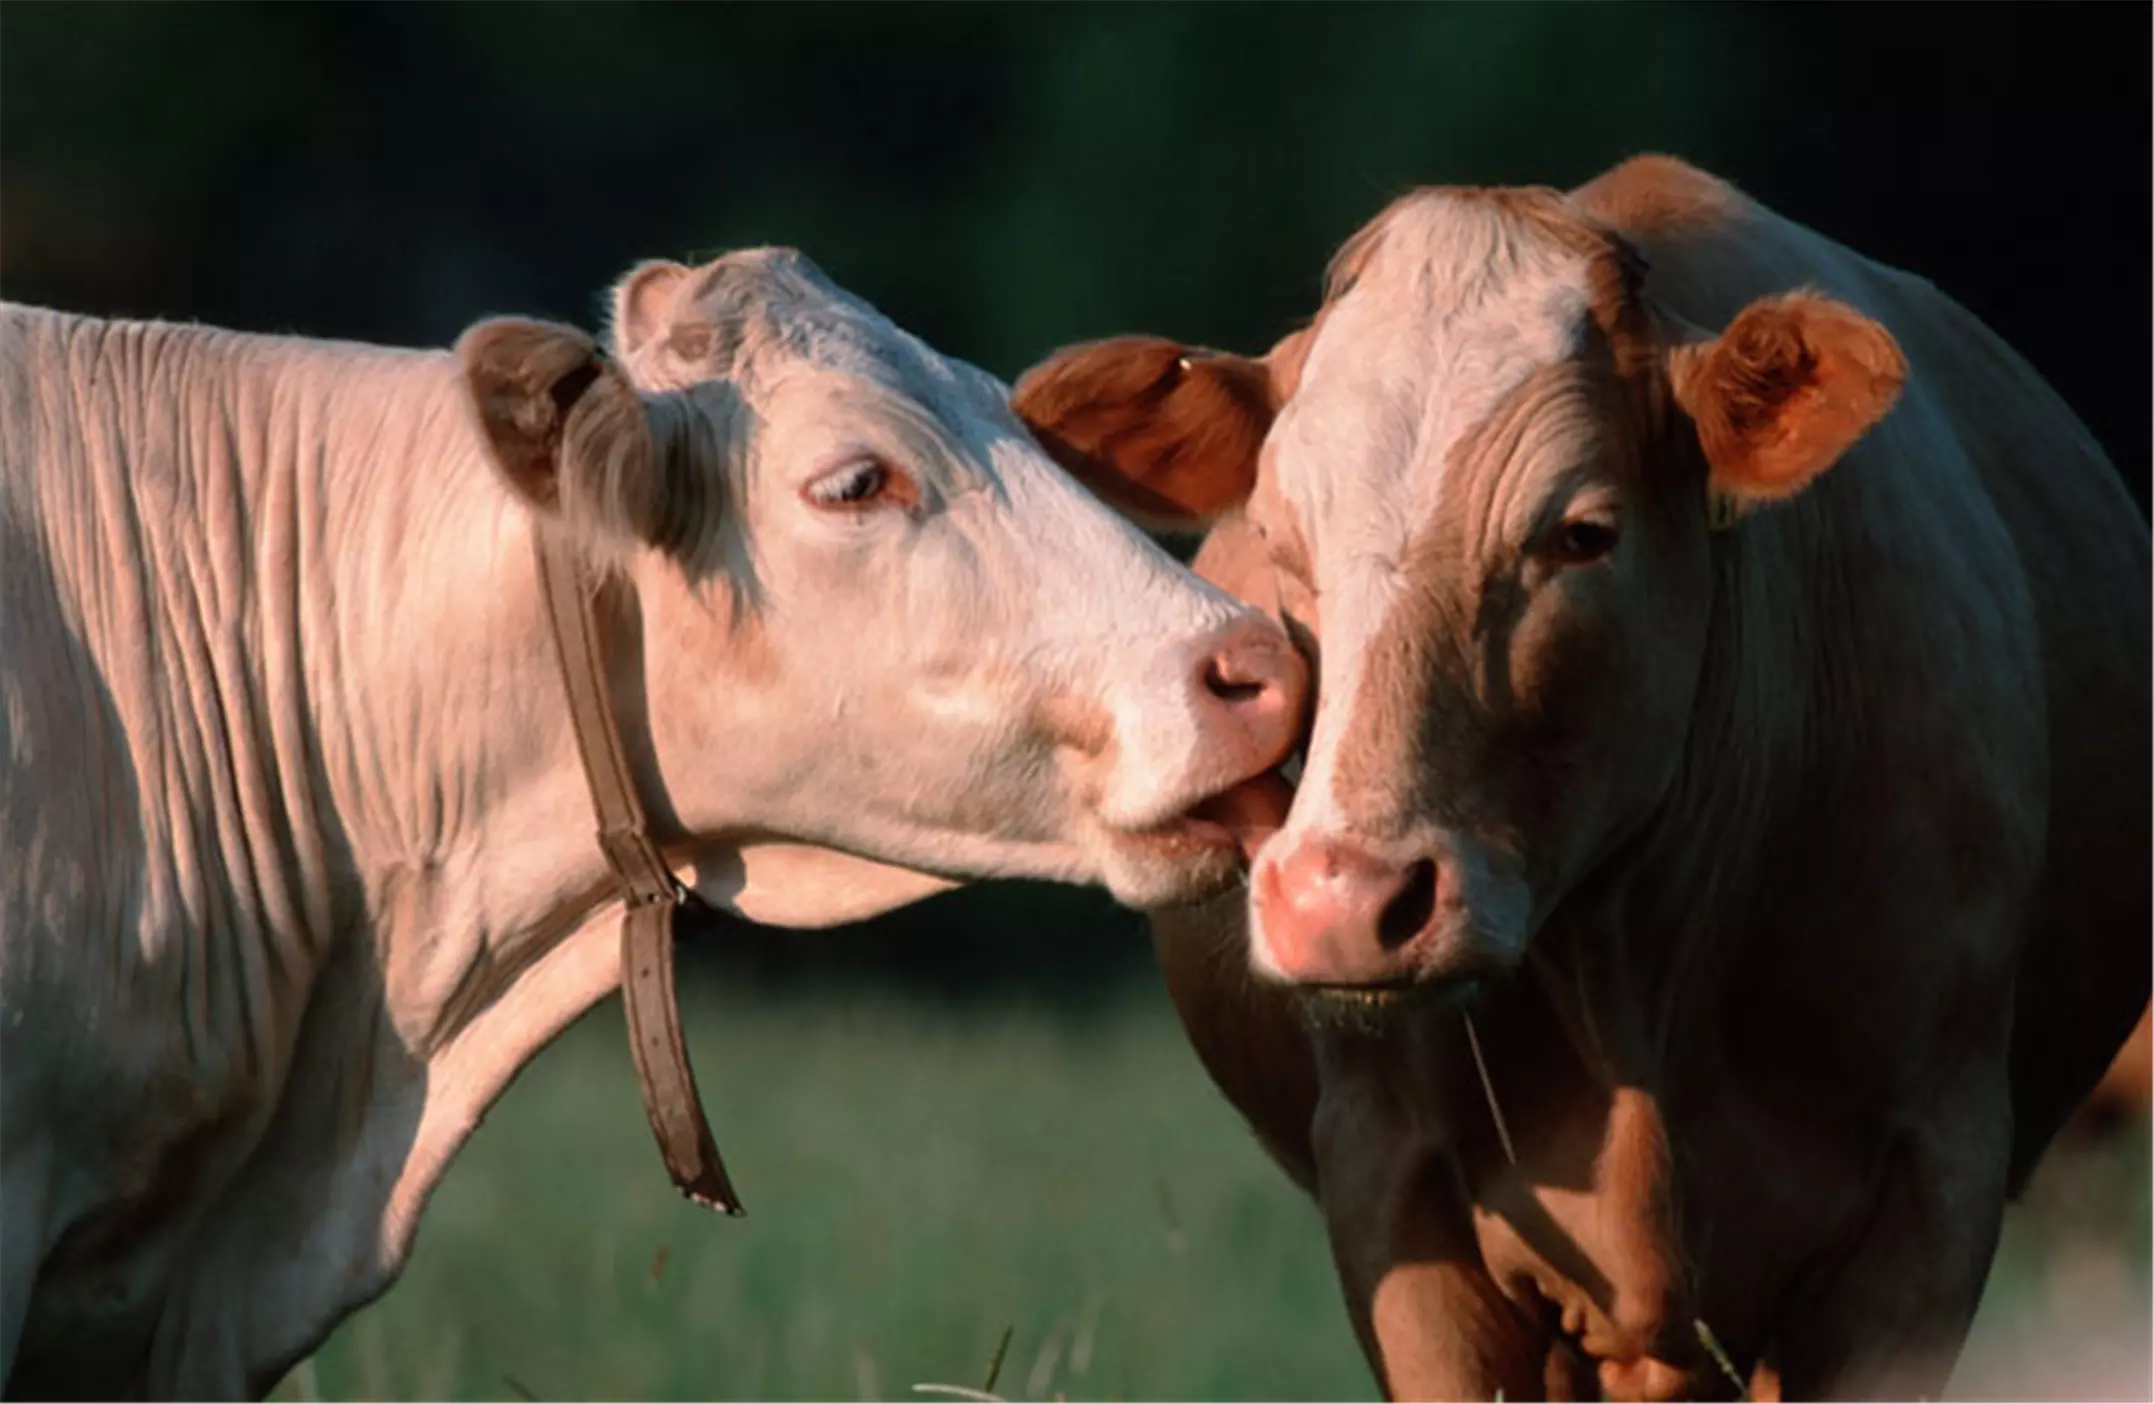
<point x="1163" y="433"/>
<point x="1787" y="389"/>
<point x="572" y="437"/>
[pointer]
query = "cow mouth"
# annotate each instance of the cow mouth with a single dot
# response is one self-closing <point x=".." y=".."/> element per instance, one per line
<point x="1377" y="1003"/>
<point x="1250" y="811"/>
<point x="1247" y="814"/>
<point x="1201" y="852"/>
<point x="1241" y="817"/>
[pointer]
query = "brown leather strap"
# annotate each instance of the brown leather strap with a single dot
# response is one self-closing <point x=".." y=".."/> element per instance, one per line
<point x="655" y="898"/>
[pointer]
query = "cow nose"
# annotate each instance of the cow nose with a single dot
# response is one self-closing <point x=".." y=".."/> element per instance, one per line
<point x="1332" y="912"/>
<point x="1249" y="687"/>
<point x="1328" y="909"/>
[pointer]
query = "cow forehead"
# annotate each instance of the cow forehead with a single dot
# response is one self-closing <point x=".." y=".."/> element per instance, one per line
<point x="1455" y="302"/>
<point x="776" y="315"/>
<point x="795" y="336"/>
<point x="824" y="367"/>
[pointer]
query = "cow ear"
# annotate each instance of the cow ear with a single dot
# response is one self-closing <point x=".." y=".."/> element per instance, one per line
<point x="576" y="442"/>
<point x="642" y="304"/>
<point x="1781" y="394"/>
<point x="1165" y="434"/>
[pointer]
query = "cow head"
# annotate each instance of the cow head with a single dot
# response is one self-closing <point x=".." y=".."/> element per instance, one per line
<point x="1486" y="492"/>
<point x="876" y="619"/>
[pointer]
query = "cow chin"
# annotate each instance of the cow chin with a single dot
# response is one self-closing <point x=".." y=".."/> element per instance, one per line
<point x="1183" y="861"/>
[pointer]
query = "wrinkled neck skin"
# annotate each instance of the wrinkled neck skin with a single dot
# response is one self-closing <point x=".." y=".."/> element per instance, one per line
<point x="366" y="840"/>
<point x="1631" y="944"/>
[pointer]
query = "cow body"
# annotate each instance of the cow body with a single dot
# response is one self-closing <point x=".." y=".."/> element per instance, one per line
<point x="298" y="855"/>
<point x="1766" y="1038"/>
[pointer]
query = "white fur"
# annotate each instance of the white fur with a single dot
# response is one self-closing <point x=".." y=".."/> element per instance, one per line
<point x="1450" y="315"/>
<point x="296" y="857"/>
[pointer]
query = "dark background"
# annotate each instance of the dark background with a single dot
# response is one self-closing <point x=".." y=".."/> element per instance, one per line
<point x="1006" y="179"/>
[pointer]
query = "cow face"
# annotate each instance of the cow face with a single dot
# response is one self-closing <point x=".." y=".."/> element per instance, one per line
<point x="876" y="618"/>
<point x="1486" y="501"/>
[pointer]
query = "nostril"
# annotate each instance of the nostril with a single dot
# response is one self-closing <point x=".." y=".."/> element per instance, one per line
<point x="1410" y="908"/>
<point x="1230" y="684"/>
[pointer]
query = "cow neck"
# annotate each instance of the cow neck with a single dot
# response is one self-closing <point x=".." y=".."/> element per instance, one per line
<point x="654" y="900"/>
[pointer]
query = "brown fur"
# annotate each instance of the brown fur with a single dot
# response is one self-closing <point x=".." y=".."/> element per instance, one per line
<point x="1654" y="195"/>
<point x="1171" y="435"/>
<point x="574" y="439"/>
<point x="2126" y="1090"/>
<point x="1774" y="1064"/>
<point x="1167" y="434"/>
<point x="1785" y="391"/>
<point x="515" y="368"/>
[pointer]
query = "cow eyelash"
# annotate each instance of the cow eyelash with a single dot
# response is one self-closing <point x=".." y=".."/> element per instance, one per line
<point x="857" y="486"/>
<point x="1583" y="540"/>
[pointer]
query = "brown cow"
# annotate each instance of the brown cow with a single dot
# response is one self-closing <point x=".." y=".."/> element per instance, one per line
<point x="1790" y="827"/>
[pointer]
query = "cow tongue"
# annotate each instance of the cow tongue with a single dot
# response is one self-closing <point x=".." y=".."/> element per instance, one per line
<point x="1251" y="811"/>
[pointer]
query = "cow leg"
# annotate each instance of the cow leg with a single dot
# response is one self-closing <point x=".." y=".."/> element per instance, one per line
<point x="1886" y="1317"/>
<point x="1429" y="1318"/>
<point x="25" y="1170"/>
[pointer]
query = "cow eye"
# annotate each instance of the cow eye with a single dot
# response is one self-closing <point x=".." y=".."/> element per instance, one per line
<point x="1583" y="540"/>
<point x="852" y="487"/>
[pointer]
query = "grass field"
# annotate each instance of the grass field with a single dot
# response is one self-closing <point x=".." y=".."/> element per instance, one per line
<point x="922" y="1174"/>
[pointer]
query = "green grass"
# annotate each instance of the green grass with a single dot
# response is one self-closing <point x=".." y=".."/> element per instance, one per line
<point x="2066" y="1314"/>
<point x="923" y="1175"/>
<point x="918" y="1177"/>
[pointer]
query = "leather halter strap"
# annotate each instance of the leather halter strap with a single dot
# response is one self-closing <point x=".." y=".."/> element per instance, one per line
<point x="655" y="898"/>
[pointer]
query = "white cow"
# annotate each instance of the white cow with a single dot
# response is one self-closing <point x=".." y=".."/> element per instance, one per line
<point x="296" y="856"/>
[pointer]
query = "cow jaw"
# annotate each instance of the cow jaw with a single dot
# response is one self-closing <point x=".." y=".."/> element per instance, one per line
<point x="798" y="885"/>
